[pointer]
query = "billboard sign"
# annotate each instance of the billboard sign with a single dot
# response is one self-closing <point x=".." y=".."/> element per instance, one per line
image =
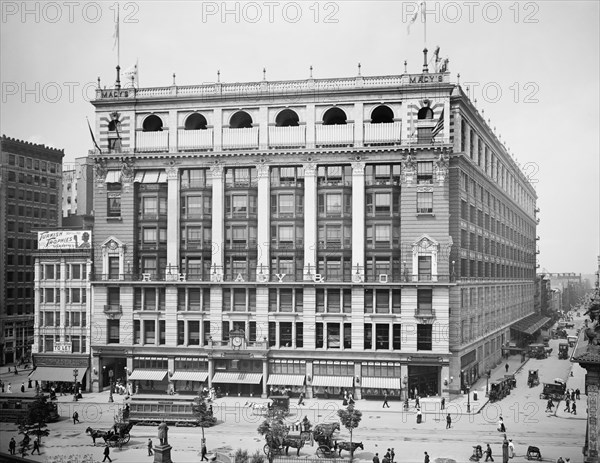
<point x="65" y="239"/>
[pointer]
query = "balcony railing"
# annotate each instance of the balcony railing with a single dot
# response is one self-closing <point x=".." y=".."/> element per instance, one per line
<point x="425" y="313"/>
<point x="152" y="142"/>
<point x="384" y="134"/>
<point x="287" y="136"/>
<point x="195" y="140"/>
<point x="335" y="135"/>
<point x="240" y="138"/>
<point x="113" y="308"/>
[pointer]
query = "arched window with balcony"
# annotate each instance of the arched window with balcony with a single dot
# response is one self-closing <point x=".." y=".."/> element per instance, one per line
<point x="287" y="118"/>
<point x="240" y="120"/>
<point x="195" y="121"/>
<point x="382" y="115"/>
<point x="334" y="116"/>
<point x="152" y="123"/>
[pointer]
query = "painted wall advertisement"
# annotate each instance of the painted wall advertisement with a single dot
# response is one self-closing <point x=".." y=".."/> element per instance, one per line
<point x="65" y="239"/>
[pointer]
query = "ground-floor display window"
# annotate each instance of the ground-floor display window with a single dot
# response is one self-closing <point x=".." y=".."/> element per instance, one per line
<point x="423" y="381"/>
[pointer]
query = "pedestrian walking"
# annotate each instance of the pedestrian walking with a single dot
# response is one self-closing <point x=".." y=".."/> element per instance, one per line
<point x="16" y="371"/>
<point x="572" y="395"/>
<point x="426" y="460"/>
<point x="150" y="453"/>
<point x="392" y="454"/>
<point x="567" y="406"/>
<point x="406" y="404"/>
<point x="574" y="409"/>
<point x="376" y="458"/>
<point x="417" y="403"/>
<point x="9" y="388"/>
<point x="75" y="417"/>
<point x="301" y="399"/>
<point x="511" y="449"/>
<point x="419" y="416"/>
<point x="107" y="453"/>
<point x="506" y="367"/>
<point x="36" y="446"/>
<point x="443" y="403"/>
<point x="22" y="387"/>
<point x="448" y="421"/>
<point x="577" y="393"/>
<point x="505" y="450"/>
<point x="385" y="400"/>
<point x="549" y="405"/>
<point x="488" y="453"/>
<point x="501" y="426"/>
<point x="12" y="446"/>
<point x="204" y="451"/>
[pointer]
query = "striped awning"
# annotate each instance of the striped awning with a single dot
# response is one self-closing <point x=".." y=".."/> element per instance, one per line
<point x="333" y="381"/>
<point x="56" y="374"/>
<point x="113" y="176"/>
<point x="239" y="378"/>
<point x="286" y="380"/>
<point x="381" y="383"/>
<point x="150" y="176"/>
<point x="149" y="375"/>
<point x="185" y="375"/>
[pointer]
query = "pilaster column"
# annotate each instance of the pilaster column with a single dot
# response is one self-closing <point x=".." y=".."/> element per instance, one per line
<point x="310" y="220"/>
<point x="404" y="380"/>
<point x="358" y="222"/>
<point x="173" y="220"/>
<point x="358" y="124"/>
<point x="211" y="371"/>
<point x="218" y="129"/>
<point x="218" y="208"/>
<point x="37" y="322"/>
<point x="294" y="334"/>
<point x="265" y="366"/>
<point x="310" y="126"/>
<point x="264" y="214"/>
<point x="63" y="298"/>
<point x="263" y="130"/>
<point x="277" y="339"/>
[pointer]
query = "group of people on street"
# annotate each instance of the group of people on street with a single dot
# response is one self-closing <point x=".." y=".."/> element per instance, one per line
<point x="12" y="445"/>
<point x="387" y="458"/>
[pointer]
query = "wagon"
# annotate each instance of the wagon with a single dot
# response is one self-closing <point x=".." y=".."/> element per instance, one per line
<point x="533" y="378"/>
<point x="119" y="434"/>
<point x="323" y="435"/>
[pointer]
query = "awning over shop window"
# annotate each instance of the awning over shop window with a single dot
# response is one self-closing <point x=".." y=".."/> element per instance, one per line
<point x="286" y="380"/>
<point x="148" y="375"/>
<point x="184" y="375"/>
<point x="150" y="176"/>
<point x="239" y="378"/>
<point x="113" y="176"/>
<point x="333" y="381"/>
<point x="57" y="374"/>
<point x="381" y="383"/>
<point x="530" y="324"/>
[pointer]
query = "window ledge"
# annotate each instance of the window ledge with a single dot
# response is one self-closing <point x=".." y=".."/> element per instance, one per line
<point x="115" y="219"/>
<point x="425" y="214"/>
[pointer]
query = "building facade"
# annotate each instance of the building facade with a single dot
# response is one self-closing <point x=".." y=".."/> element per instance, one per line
<point x="30" y="187"/>
<point x="77" y="192"/>
<point x="367" y="234"/>
<point x="63" y="328"/>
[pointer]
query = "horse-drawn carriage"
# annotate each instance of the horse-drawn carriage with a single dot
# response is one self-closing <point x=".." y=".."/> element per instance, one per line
<point x="323" y="435"/>
<point x="533" y="379"/>
<point x="115" y="436"/>
<point x="500" y="389"/>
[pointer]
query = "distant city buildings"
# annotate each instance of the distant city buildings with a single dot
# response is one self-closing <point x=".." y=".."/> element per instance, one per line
<point x="30" y="191"/>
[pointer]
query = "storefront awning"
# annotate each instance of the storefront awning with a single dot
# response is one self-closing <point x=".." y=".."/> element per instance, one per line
<point x="286" y="380"/>
<point x="148" y="375"/>
<point x="184" y="375"/>
<point x="150" y="176"/>
<point x="57" y="374"/>
<point x="333" y="381"/>
<point x="531" y="324"/>
<point x="238" y="378"/>
<point x="381" y="383"/>
<point x="113" y="176"/>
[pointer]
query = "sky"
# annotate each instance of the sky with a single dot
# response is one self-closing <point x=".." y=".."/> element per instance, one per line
<point x="533" y="67"/>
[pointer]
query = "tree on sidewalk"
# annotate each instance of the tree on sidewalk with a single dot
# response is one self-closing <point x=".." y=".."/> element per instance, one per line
<point x="350" y="418"/>
<point x="203" y="414"/>
<point x="34" y="423"/>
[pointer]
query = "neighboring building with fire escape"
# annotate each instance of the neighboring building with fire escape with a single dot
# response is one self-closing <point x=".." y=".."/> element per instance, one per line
<point x="362" y="233"/>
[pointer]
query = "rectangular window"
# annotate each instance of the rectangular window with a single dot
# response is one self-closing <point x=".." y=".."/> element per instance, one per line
<point x="424" y="337"/>
<point x="424" y="202"/>
<point x="113" y="331"/>
<point x="368" y="336"/>
<point x="113" y="199"/>
<point x="194" y="332"/>
<point x="319" y="336"/>
<point x="382" y="333"/>
<point x="424" y="301"/>
<point x="425" y="173"/>
<point x="299" y="335"/>
<point x="347" y="335"/>
<point x="149" y="331"/>
<point x="397" y="336"/>
<point x="333" y="335"/>
<point x="424" y="268"/>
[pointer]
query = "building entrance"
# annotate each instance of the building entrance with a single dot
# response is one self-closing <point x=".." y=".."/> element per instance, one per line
<point x="423" y="381"/>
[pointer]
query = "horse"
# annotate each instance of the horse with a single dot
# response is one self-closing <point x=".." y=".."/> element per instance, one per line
<point x="96" y="433"/>
<point x="294" y="443"/>
<point x="256" y="407"/>
<point x="349" y="447"/>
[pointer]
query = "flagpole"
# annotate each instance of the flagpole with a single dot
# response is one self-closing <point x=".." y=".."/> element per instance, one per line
<point x="118" y="37"/>
<point x="424" y="25"/>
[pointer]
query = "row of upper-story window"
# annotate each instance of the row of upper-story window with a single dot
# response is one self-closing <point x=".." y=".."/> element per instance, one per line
<point x="19" y="259"/>
<point x="30" y="179"/>
<point x="489" y="296"/>
<point x="285" y="118"/>
<point x="19" y="309"/>
<point x="19" y="277"/>
<point x="78" y="342"/>
<point x="34" y="212"/>
<point x="502" y="210"/>
<point x="33" y="164"/>
<point x="72" y="272"/>
<point x="19" y="293"/>
<point x="490" y="163"/>
<point x="72" y="295"/>
<point x="26" y="194"/>
<point x="72" y="318"/>
<point x="480" y="269"/>
<point x="479" y="243"/>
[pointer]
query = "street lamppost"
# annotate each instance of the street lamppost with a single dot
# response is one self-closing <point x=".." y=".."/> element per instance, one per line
<point x="110" y="376"/>
<point x="75" y="374"/>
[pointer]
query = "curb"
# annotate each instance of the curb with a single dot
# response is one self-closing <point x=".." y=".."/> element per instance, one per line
<point x="488" y="400"/>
